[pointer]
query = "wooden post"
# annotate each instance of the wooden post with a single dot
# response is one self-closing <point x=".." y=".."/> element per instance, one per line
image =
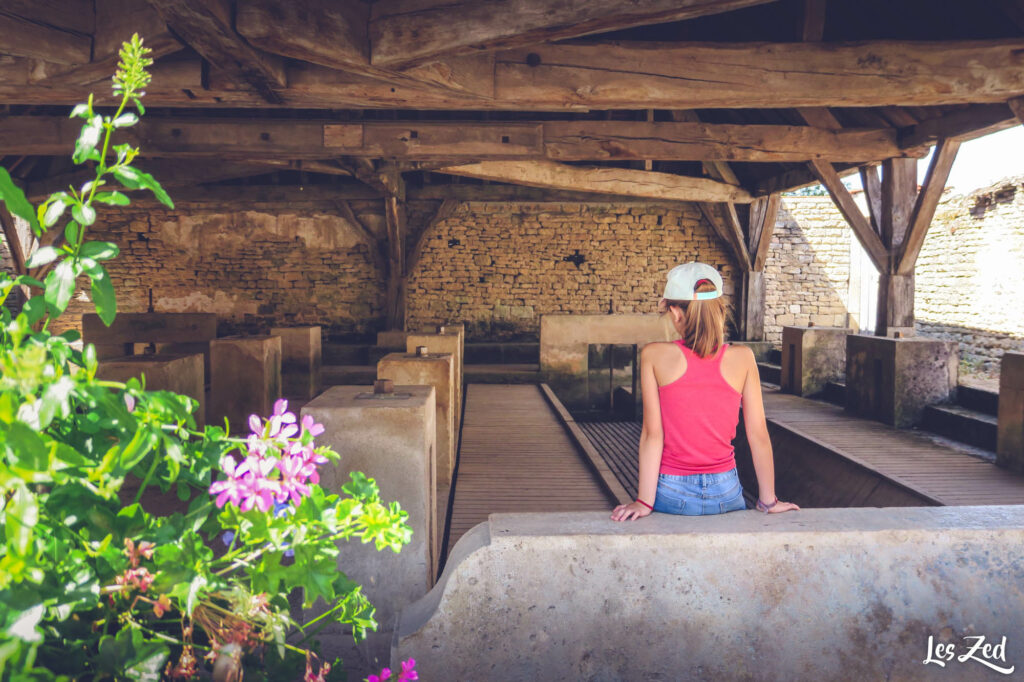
<point x="752" y="317"/>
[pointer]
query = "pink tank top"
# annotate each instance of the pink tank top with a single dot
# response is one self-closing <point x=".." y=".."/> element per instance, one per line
<point x="699" y="413"/>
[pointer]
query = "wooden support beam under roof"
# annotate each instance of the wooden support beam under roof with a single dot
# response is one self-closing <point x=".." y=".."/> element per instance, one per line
<point x="963" y="124"/>
<point x="560" y="77"/>
<point x="23" y="38"/>
<point x="1017" y="106"/>
<point x="77" y="16"/>
<point x="207" y="26"/>
<point x="926" y="203"/>
<point x="467" y="140"/>
<point x="764" y="212"/>
<point x="334" y="34"/>
<point x="844" y="201"/>
<point x="406" y="32"/>
<point x="619" y="181"/>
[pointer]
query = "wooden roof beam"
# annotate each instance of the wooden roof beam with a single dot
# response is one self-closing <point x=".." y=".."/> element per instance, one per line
<point x="925" y="205"/>
<point x="844" y="201"/>
<point x="407" y="32"/>
<point x="23" y="38"/>
<point x="207" y="26"/>
<point x="470" y="140"/>
<point x="961" y="124"/>
<point x="620" y="181"/>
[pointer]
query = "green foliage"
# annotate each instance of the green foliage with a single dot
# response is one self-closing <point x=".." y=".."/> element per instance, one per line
<point x="92" y="584"/>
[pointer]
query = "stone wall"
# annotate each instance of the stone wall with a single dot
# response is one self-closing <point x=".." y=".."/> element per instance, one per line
<point x="970" y="273"/>
<point x="254" y="269"/>
<point x="498" y="266"/>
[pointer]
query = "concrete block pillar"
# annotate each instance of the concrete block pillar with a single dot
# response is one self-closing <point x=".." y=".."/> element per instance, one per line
<point x="1010" y="439"/>
<point x="246" y="378"/>
<point x="301" y="360"/>
<point x="391" y="437"/>
<point x="427" y="368"/>
<point x="811" y="357"/>
<point x="446" y="340"/>
<point x="894" y="379"/>
<point x="164" y="372"/>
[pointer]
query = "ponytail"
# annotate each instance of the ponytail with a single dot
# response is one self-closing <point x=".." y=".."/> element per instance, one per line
<point x="703" y="322"/>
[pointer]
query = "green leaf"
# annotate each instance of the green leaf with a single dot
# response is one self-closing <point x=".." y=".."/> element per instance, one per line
<point x="71" y="232"/>
<point x="112" y="199"/>
<point x="81" y="111"/>
<point x="20" y="518"/>
<point x="16" y="202"/>
<point x="133" y="178"/>
<point x="103" y="296"/>
<point x="54" y="210"/>
<point x="34" y="309"/>
<point x="85" y="214"/>
<point x="88" y="139"/>
<point x="26" y="280"/>
<point x="60" y="285"/>
<point x="99" y="250"/>
<point x="42" y="256"/>
<point x="125" y="120"/>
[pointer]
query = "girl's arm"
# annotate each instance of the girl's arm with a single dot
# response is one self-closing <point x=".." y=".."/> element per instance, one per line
<point x="652" y="440"/>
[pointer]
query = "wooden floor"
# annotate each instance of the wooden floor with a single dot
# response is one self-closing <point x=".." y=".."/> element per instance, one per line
<point x="911" y="458"/>
<point x="517" y="457"/>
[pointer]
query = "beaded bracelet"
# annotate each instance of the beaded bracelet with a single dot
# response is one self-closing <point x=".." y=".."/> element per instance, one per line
<point x="765" y="507"/>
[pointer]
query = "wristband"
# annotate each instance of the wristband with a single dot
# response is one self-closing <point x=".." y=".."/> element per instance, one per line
<point x="765" y="507"/>
<point x="645" y="504"/>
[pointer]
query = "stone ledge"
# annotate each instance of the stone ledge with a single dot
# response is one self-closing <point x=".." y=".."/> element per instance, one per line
<point x="822" y="593"/>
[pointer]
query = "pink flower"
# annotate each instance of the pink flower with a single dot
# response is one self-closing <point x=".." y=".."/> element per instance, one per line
<point x="385" y="674"/>
<point x="309" y="425"/>
<point x="231" y="489"/>
<point x="292" y="483"/>
<point x="408" y="673"/>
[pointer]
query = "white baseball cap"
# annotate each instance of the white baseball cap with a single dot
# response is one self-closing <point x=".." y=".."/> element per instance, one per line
<point x="683" y="279"/>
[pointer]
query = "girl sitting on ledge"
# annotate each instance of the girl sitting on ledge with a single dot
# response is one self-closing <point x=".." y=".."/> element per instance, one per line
<point x="692" y="390"/>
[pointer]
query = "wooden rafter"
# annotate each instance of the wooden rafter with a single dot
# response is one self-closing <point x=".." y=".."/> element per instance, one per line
<point x="373" y="244"/>
<point x="766" y="210"/>
<point x="469" y="140"/>
<point x="207" y="26"/>
<point x="962" y="124"/>
<point x="926" y="203"/>
<point x="873" y="195"/>
<point x="844" y="201"/>
<point x="725" y="222"/>
<point x="334" y="34"/>
<point x="602" y="180"/>
<point x="641" y="76"/>
<point x="29" y="39"/>
<point x="404" y="32"/>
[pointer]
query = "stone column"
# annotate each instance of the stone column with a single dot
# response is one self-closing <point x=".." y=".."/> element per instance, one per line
<point x="446" y="340"/>
<point x="391" y="437"/>
<point x="246" y="378"/>
<point x="1010" y="443"/>
<point x="301" y="360"/>
<point x="811" y="357"/>
<point x="163" y="372"/>
<point x="894" y="379"/>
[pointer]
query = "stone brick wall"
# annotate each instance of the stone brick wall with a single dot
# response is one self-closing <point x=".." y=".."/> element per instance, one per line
<point x="508" y="266"/>
<point x="807" y="269"/>
<point x="254" y="269"/>
<point x="970" y="273"/>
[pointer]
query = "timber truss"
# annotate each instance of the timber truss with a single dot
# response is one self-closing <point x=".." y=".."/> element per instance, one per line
<point x="725" y="103"/>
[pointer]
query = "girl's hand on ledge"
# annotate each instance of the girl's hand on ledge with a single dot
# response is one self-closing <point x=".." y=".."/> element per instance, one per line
<point x="782" y="507"/>
<point x="631" y="511"/>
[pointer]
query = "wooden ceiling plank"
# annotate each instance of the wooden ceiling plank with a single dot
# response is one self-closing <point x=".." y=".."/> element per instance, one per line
<point x="23" y="38"/>
<point x="927" y="201"/>
<point x="334" y="35"/>
<point x="116" y="21"/>
<point x="620" y="181"/>
<point x="844" y="201"/>
<point x="68" y="15"/>
<point x="407" y="32"/>
<point x="207" y="26"/>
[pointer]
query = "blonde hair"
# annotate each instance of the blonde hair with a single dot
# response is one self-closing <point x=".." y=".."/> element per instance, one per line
<point x="703" y="321"/>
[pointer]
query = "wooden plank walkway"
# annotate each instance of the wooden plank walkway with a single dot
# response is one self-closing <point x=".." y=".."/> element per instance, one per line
<point x="516" y="456"/>
<point x="910" y="458"/>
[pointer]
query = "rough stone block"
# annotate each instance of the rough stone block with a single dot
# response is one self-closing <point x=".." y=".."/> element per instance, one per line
<point x="446" y="340"/>
<point x="894" y="379"/>
<point x="246" y="378"/>
<point x="163" y="372"/>
<point x="437" y="370"/>
<point x="301" y="360"/>
<point x="128" y="329"/>
<point x="573" y="596"/>
<point x="391" y="439"/>
<point x="811" y="357"/>
<point x="1010" y="438"/>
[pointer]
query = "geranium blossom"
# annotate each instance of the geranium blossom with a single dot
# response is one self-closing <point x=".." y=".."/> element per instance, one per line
<point x="280" y="463"/>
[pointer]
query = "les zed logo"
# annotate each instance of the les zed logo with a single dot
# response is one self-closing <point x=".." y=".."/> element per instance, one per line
<point x="979" y="651"/>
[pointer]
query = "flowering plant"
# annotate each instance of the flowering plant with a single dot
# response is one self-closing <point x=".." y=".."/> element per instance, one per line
<point x="93" y="583"/>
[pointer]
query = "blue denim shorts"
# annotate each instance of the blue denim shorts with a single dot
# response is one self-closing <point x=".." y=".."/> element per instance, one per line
<point x="699" y="494"/>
